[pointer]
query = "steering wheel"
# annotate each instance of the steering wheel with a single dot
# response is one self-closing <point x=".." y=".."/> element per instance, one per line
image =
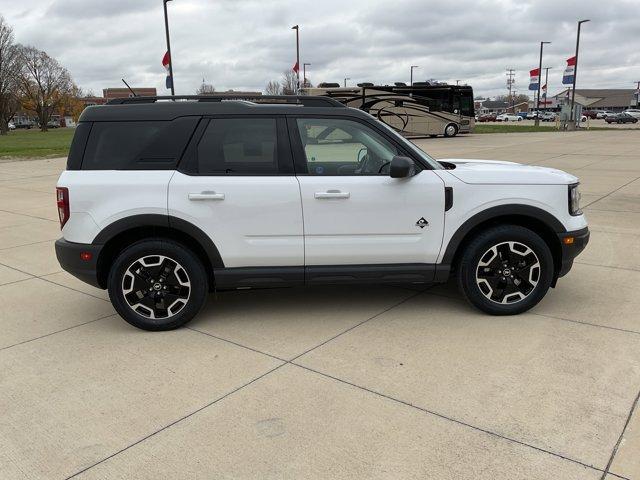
<point x="383" y="165"/>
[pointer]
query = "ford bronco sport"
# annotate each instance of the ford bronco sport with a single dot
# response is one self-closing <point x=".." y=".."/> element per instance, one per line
<point x="165" y="199"/>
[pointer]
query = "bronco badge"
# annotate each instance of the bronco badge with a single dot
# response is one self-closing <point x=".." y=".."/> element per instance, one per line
<point x="422" y="223"/>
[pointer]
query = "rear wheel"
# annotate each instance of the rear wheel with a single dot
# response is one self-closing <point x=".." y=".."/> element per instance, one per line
<point x="157" y="284"/>
<point x="451" y="130"/>
<point x="505" y="270"/>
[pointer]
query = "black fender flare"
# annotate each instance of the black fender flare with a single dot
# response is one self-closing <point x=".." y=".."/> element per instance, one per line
<point x="162" y="221"/>
<point x="496" y="212"/>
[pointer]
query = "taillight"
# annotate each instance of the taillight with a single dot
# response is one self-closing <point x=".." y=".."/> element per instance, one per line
<point x="62" y="199"/>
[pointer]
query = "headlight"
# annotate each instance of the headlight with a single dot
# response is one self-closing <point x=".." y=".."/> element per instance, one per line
<point x="574" y="200"/>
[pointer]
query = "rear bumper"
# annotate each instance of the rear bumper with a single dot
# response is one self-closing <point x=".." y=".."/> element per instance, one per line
<point x="68" y="254"/>
<point x="571" y="250"/>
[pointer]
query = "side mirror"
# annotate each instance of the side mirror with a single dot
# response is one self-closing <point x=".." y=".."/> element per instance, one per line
<point x="401" y="167"/>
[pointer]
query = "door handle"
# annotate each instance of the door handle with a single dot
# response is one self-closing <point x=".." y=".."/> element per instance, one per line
<point x="206" y="196"/>
<point x="332" y="194"/>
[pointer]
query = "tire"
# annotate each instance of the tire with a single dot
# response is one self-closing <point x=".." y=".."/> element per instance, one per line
<point x="183" y="283"/>
<point x="486" y="290"/>
<point x="451" y="130"/>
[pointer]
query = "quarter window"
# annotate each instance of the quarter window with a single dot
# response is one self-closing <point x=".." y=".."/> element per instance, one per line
<point x="344" y="147"/>
<point x="239" y="146"/>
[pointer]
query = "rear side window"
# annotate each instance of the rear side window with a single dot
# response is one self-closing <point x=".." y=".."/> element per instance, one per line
<point x="147" y="145"/>
<point x="239" y="146"/>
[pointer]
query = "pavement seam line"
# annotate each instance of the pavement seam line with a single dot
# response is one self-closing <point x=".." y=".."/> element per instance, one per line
<point x="617" y="445"/>
<point x="57" y="331"/>
<point x="353" y="327"/>
<point x="445" y="417"/>
<point x="178" y="420"/>
<point x="597" y="325"/>
<point x="611" y="192"/>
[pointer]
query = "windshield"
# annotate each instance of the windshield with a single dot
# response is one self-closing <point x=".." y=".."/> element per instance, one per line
<point x="433" y="164"/>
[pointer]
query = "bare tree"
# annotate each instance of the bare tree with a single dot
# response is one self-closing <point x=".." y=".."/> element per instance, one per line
<point x="273" y="88"/>
<point x="289" y="82"/>
<point x="205" y="89"/>
<point x="43" y="82"/>
<point x="9" y="68"/>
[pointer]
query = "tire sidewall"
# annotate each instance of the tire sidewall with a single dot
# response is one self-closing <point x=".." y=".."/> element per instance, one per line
<point x="175" y="251"/>
<point x="476" y="249"/>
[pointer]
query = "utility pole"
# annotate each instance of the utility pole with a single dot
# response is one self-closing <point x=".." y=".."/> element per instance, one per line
<point x="575" y="75"/>
<point x="511" y="81"/>
<point x="297" y="29"/>
<point x="166" y="29"/>
<point x="345" y="81"/>
<point x="304" y="74"/>
<point x="539" y="81"/>
<point x="412" y="67"/>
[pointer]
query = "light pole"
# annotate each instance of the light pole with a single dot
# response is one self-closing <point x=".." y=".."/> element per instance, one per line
<point x="297" y="29"/>
<point x="575" y="73"/>
<point x="166" y="28"/>
<point x="345" y="81"/>
<point x="304" y="74"/>
<point x="412" y="67"/>
<point x="546" y="84"/>
<point x="539" y="79"/>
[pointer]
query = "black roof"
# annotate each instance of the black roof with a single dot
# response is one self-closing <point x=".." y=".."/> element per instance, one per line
<point x="168" y="108"/>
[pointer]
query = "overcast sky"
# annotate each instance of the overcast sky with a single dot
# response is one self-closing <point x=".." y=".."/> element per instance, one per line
<point x="243" y="44"/>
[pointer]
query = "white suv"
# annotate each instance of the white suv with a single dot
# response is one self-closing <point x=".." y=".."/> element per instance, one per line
<point x="165" y="201"/>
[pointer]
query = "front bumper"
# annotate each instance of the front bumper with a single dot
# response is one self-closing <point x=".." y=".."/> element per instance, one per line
<point x="70" y="259"/>
<point x="570" y="250"/>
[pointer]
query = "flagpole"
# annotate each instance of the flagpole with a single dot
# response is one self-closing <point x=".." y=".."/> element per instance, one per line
<point x="546" y="84"/>
<point x="539" y="79"/>
<point x="575" y="74"/>
<point x="166" y="29"/>
<point x="297" y="29"/>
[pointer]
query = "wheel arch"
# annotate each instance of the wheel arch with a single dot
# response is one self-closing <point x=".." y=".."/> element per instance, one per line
<point x="541" y="222"/>
<point x="118" y="235"/>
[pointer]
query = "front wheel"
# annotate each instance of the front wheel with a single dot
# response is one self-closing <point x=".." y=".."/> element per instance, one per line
<point x="157" y="284"/>
<point x="505" y="270"/>
<point x="450" y="130"/>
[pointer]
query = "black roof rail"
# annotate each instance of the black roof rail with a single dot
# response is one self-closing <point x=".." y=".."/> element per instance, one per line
<point x="305" y="100"/>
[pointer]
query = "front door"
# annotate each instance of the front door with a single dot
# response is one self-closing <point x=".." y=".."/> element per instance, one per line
<point x="354" y="212"/>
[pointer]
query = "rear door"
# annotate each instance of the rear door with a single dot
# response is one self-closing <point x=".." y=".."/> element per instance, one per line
<point x="237" y="185"/>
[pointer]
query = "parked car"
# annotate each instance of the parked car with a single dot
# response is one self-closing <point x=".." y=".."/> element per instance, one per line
<point x="508" y="117"/>
<point x="604" y="114"/>
<point x="11" y="126"/>
<point x="532" y="115"/>
<point x="592" y="114"/>
<point x="26" y="124"/>
<point x="522" y="115"/>
<point x="163" y="201"/>
<point x="549" y="117"/>
<point x="621" y="118"/>
<point x="53" y="124"/>
<point x="634" y="112"/>
<point x="487" y="117"/>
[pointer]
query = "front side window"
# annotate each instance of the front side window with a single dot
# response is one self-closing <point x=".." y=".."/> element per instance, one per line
<point x="344" y="147"/>
<point x="244" y="146"/>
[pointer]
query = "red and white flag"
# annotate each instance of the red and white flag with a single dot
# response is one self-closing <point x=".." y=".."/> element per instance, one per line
<point x="534" y="79"/>
<point x="569" y="72"/>
<point x="166" y="60"/>
<point x="296" y="68"/>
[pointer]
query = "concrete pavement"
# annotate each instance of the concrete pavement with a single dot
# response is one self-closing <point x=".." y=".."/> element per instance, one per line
<point x="349" y="382"/>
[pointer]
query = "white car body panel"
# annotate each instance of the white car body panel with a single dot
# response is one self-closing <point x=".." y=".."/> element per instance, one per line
<point x="257" y="224"/>
<point x="376" y="224"/>
<point x="97" y="198"/>
<point x="503" y="173"/>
